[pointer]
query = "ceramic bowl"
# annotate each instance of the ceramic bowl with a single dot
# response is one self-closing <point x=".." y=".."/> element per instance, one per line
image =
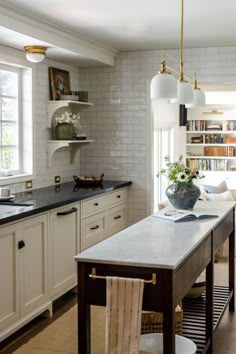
<point x="198" y="287"/>
<point x="153" y="343"/>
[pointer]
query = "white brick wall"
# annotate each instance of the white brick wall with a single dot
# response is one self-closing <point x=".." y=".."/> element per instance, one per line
<point x="117" y="122"/>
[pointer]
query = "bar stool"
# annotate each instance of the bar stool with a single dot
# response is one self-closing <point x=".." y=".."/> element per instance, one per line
<point x="153" y="343"/>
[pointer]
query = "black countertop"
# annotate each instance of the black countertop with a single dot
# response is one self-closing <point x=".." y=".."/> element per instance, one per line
<point x="43" y="199"/>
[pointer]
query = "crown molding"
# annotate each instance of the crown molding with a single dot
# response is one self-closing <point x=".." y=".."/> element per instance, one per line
<point x="56" y="36"/>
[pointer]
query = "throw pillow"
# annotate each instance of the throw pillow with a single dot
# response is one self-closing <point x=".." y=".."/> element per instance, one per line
<point x="221" y="188"/>
<point x="226" y="196"/>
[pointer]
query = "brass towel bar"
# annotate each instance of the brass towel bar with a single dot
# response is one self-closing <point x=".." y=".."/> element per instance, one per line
<point x="94" y="275"/>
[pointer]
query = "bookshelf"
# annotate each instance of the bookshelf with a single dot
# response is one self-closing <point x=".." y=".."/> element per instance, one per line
<point x="211" y="140"/>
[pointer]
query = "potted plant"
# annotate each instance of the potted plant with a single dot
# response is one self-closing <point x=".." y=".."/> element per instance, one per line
<point x="64" y="128"/>
<point x="182" y="193"/>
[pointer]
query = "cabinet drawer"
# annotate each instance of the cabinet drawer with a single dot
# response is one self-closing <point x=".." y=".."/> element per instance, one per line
<point x="222" y="232"/>
<point x="117" y="219"/>
<point x="93" y="230"/>
<point x="94" y="205"/>
<point x="98" y="204"/>
<point x="118" y="196"/>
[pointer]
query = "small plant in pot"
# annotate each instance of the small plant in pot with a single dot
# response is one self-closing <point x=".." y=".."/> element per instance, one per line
<point x="182" y="193"/>
<point x="64" y="128"/>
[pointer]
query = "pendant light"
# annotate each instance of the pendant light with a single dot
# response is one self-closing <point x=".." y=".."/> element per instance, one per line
<point x="164" y="84"/>
<point x="199" y="99"/>
<point x="184" y="88"/>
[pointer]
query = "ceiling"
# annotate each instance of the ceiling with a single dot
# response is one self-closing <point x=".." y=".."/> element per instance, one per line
<point x="106" y="26"/>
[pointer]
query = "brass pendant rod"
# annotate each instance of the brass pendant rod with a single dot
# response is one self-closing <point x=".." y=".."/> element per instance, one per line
<point x="182" y="43"/>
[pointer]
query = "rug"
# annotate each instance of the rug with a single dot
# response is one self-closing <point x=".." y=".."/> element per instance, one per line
<point x="61" y="336"/>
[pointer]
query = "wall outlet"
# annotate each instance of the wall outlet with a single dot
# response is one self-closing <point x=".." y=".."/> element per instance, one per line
<point x="57" y="179"/>
<point x="28" y="184"/>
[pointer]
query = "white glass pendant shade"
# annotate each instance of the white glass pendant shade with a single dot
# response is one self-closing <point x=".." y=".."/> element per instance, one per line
<point x="163" y="86"/>
<point x="184" y="93"/>
<point x="199" y="99"/>
<point x="34" y="57"/>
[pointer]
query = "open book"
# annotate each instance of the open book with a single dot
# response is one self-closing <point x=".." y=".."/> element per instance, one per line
<point x="176" y="215"/>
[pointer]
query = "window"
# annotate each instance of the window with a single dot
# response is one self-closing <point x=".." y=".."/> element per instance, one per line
<point x="10" y="118"/>
<point x="16" y="148"/>
<point x="162" y="148"/>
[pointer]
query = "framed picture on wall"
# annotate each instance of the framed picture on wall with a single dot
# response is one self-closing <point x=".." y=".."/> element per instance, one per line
<point x="59" y="83"/>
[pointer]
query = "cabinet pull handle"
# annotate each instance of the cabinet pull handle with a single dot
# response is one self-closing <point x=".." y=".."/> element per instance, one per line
<point x="117" y="217"/>
<point x="72" y="210"/>
<point x="94" y="228"/>
<point x="21" y="244"/>
<point x="96" y="204"/>
<point x="118" y="196"/>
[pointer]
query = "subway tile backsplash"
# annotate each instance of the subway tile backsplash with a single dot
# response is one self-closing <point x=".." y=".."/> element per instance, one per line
<point x="118" y="120"/>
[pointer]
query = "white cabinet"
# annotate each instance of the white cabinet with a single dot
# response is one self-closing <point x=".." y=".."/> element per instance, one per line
<point x="37" y="254"/>
<point x="103" y="216"/>
<point x="23" y="273"/>
<point x="63" y="245"/>
<point x="55" y="107"/>
<point x="9" y="276"/>
<point x="34" y="263"/>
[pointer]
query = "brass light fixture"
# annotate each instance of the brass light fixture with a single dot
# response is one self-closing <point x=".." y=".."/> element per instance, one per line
<point x="34" y="53"/>
<point x="214" y="111"/>
<point x="162" y="86"/>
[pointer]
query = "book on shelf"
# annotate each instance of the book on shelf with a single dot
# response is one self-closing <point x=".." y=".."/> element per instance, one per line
<point x="179" y="215"/>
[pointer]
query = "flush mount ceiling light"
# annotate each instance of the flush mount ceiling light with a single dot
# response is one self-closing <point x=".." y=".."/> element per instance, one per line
<point x="165" y="86"/>
<point x="35" y="53"/>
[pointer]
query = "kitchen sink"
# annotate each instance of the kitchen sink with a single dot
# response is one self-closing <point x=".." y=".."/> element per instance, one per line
<point x="9" y="208"/>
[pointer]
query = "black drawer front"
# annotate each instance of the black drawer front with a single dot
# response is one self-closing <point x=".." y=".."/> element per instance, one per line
<point x="222" y="232"/>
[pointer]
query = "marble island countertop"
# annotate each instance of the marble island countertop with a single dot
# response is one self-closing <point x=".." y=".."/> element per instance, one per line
<point x="157" y="243"/>
<point x="43" y="199"/>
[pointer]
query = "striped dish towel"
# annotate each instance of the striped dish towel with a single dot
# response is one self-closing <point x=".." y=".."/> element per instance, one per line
<point x="123" y="315"/>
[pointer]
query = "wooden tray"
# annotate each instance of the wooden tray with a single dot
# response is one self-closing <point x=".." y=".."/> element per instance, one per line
<point x="88" y="180"/>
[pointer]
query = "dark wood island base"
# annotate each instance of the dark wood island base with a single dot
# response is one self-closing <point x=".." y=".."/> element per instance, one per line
<point x="171" y="286"/>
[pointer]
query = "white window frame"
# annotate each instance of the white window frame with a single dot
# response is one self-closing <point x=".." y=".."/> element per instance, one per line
<point x="26" y="128"/>
<point x="19" y="121"/>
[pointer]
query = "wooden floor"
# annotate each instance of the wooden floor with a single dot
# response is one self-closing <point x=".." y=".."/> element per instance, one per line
<point x="224" y="343"/>
<point x="16" y="340"/>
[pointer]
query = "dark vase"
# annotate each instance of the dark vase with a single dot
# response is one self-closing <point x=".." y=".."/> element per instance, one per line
<point x="183" y="195"/>
<point x="64" y="131"/>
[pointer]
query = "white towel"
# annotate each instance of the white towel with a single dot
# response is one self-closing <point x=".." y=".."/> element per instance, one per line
<point x="123" y="315"/>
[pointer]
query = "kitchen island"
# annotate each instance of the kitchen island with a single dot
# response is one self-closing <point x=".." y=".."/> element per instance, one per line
<point x="170" y="256"/>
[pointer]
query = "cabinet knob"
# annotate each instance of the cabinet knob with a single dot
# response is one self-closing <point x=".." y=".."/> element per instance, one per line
<point x="118" y="196"/>
<point x="21" y="244"/>
<point x="96" y="204"/>
<point x="94" y="228"/>
<point x="72" y="210"/>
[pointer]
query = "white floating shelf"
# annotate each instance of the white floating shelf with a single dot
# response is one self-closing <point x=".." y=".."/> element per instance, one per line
<point x="210" y="144"/>
<point x="73" y="145"/>
<point x="53" y="106"/>
<point x="209" y="132"/>
<point x="212" y="157"/>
